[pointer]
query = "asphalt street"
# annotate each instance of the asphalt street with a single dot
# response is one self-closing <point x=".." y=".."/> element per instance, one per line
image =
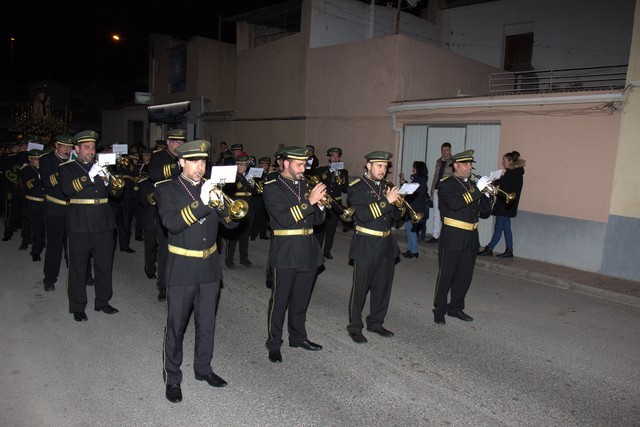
<point x="535" y="355"/>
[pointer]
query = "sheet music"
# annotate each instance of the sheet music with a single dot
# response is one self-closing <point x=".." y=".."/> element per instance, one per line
<point x="224" y="174"/>
<point x="408" y="188"/>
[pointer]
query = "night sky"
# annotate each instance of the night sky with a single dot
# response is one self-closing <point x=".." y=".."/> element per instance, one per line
<point x="70" y="42"/>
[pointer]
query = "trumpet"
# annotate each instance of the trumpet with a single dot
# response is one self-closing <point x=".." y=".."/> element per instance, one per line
<point x="495" y="191"/>
<point x="346" y="213"/>
<point x="117" y="183"/>
<point x="258" y="185"/>
<point x="237" y="208"/>
<point x="403" y="205"/>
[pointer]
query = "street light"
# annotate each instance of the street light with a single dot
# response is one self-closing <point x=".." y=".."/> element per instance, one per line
<point x="147" y="47"/>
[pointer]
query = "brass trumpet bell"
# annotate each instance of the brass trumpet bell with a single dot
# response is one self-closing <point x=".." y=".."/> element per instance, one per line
<point x="404" y="206"/>
<point x="496" y="191"/>
<point x="238" y="209"/>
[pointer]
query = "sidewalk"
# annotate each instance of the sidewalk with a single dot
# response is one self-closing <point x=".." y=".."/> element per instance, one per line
<point x="598" y="285"/>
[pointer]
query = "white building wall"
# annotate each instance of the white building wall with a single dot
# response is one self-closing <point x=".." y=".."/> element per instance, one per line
<point x="567" y="33"/>
<point x="345" y="21"/>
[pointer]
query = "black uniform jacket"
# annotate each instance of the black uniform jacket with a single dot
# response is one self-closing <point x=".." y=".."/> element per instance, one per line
<point x="372" y="212"/>
<point x="192" y="226"/>
<point x="163" y="165"/>
<point x="89" y="210"/>
<point x="31" y="184"/>
<point x="329" y="179"/>
<point x="462" y="202"/>
<point x="241" y="189"/>
<point x="56" y="199"/>
<point x="300" y="252"/>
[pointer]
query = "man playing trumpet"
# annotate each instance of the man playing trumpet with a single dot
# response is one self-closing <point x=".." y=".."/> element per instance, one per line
<point x="295" y="254"/>
<point x="461" y="203"/>
<point x="90" y="225"/>
<point x="193" y="271"/>
<point x="373" y="248"/>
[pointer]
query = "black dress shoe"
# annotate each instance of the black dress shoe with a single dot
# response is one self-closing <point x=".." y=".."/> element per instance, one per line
<point x="151" y="275"/>
<point x="139" y="239"/>
<point x="127" y="250"/>
<point x="439" y="319"/>
<point x="328" y="256"/>
<point x="275" y="356"/>
<point x="212" y="379"/>
<point x="411" y="254"/>
<point x="49" y="288"/>
<point x="381" y="331"/>
<point x="107" y="309"/>
<point x="307" y="345"/>
<point x="269" y="284"/>
<point x="80" y="316"/>
<point x="265" y="238"/>
<point x="487" y="251"/>
<point x="460" y="315"/>
<point x="23" y="247"/>
<point x="174" y="393"/>
<point x="246" y="263"/>
<point x="162" y="294"/>
<point x="253" y="238"/>
<point x="230" y="264"/>
<point x="431" y="240"/>
<point x="6" y="238"/>
<point x="358" y="337"/>
<point x="508" y="253"/>
<point x="36" y="258"/>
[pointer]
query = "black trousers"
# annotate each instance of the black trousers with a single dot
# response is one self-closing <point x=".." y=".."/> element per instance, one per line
<point x="150" y="230"/>
<point x="163" y="250"/>
<point x="181" y="300"/>
<point x="290" y="292"/>
<point x="456" y="272"/>
<point x="261" y="218"/>
<point x="138" y="214"/>
<point x="35" y="215"/>
<point x="15" y="203"/>
<point x="240" y="235"/>
<point x="56" y="235"/>
<point x="124" y="217"/>
<point x="82" y="248"/>
<point x="375" y="280"/>
<point x="327" y="231"/>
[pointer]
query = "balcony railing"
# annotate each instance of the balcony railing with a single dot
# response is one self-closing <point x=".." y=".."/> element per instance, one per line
<point x="562" y="80"/>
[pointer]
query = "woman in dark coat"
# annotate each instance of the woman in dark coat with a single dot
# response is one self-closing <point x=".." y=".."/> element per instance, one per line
<point x="510" y="182"/>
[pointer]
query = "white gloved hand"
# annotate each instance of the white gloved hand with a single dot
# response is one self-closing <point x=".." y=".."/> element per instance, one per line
<point x="103" y="173"/>
<point x="483" y="183"/>
<point x="95" y="169"/>
<point x="205" y="191"/>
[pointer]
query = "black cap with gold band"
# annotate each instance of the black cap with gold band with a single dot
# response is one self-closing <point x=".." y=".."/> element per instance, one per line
<point x="85" y="136"/>
<point x="296" y="153"/>
<point x="264" y="160"/>
<point x="64" y="139"/>
<point x="177" y="134"/>
<point x="378" y="156"/>
<point x="464" y="157"/>
<point x="337" y="150"/>
<point x="194" y="150"/>
<point x="34" y="154"/>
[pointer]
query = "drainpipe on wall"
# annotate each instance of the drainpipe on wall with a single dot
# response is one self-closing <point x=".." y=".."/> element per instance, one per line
<point x="372" y="19"/>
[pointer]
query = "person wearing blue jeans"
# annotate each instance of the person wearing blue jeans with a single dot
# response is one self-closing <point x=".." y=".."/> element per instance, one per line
<point x="418" y="201"/>
<point x="510" y="182"/>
